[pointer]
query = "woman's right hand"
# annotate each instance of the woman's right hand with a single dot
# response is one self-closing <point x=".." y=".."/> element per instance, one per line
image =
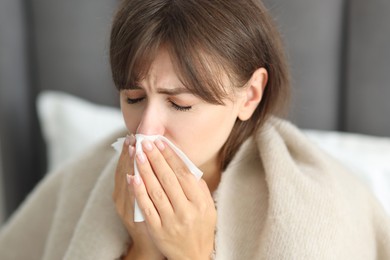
<point x="142" y="246"/>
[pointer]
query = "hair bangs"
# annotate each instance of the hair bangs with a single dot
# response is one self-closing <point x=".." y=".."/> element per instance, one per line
<point x="199" y="72"/>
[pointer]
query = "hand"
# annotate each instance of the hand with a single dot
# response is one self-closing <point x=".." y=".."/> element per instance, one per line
<point x="123" y="196"/>
<point x="179" y="210"/>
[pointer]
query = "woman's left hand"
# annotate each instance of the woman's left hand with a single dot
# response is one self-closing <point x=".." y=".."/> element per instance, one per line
<point x="179" y="210"/>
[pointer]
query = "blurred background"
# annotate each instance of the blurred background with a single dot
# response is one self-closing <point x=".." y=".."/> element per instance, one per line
<point x="338" y="51"/>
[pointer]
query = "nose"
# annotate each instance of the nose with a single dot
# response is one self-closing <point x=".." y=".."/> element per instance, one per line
<point x="151" y="122"/>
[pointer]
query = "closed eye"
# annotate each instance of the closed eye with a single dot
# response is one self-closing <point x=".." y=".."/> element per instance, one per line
<point x="134" y="100"/>
<point x="180" y="108"/>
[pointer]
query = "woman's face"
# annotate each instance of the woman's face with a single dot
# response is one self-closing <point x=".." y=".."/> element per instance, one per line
<point x="161" y="105"/>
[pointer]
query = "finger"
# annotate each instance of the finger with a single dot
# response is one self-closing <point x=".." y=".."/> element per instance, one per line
<point x="124" y="162"/>
<point x="129" y="203"/>
<point x="153" y="186"/>
<point x="164" y="174"/>
<point x="124" y="166"/>
<point x="186" y="179"/>
<point x="206" y="191"/>
<point x="130" y="191"/>
<point x="124" y="202"/>
<point x="126" y="193"/>
<point x="146" y="205"/>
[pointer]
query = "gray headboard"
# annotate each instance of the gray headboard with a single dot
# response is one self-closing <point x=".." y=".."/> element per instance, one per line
<point x="338" y="51"/>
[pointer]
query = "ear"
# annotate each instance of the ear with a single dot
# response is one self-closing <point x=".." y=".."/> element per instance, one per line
<point x="253" y="93"/>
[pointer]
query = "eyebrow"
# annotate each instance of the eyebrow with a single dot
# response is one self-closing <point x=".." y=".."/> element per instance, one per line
<point x="167" y="91"/>
<point x="172" y="91"/>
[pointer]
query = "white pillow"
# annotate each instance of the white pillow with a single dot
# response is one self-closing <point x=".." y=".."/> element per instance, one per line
<point x="367" y="156"/>
<point x="70" y="124"/>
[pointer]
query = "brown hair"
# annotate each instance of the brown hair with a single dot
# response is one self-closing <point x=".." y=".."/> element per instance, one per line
<point x="204" y="38"/>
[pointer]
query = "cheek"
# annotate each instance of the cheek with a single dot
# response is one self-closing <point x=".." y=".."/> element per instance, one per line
<point x="206" y="134"/>
<point x="132" y="120"/>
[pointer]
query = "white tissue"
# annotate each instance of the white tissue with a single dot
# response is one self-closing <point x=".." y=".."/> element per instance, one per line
<point x="138" y="217"/>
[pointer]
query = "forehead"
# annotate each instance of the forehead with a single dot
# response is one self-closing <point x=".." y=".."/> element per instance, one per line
<point x="162" y="68"/>
<point x="161" y="76"/>
<point x="165" y="64"/>
<point x="164" y="72"/>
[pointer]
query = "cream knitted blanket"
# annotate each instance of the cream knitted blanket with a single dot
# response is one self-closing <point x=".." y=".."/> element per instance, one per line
<point x="280" y="198"/>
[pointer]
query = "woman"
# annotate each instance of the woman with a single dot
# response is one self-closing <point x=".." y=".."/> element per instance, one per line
<point x="210" y="76"/>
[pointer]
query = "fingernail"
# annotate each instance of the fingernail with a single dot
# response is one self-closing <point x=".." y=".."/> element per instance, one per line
<point x="132" y="139"/>
<point x="127" y="140"/>
<point x="128" y="177"/>
<point x="147" y="145"/>
<point x="131" y="151"/>
<point x="160" y="145"/>
<point x="137" y="179"/>
<point x="141" y="156"/>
